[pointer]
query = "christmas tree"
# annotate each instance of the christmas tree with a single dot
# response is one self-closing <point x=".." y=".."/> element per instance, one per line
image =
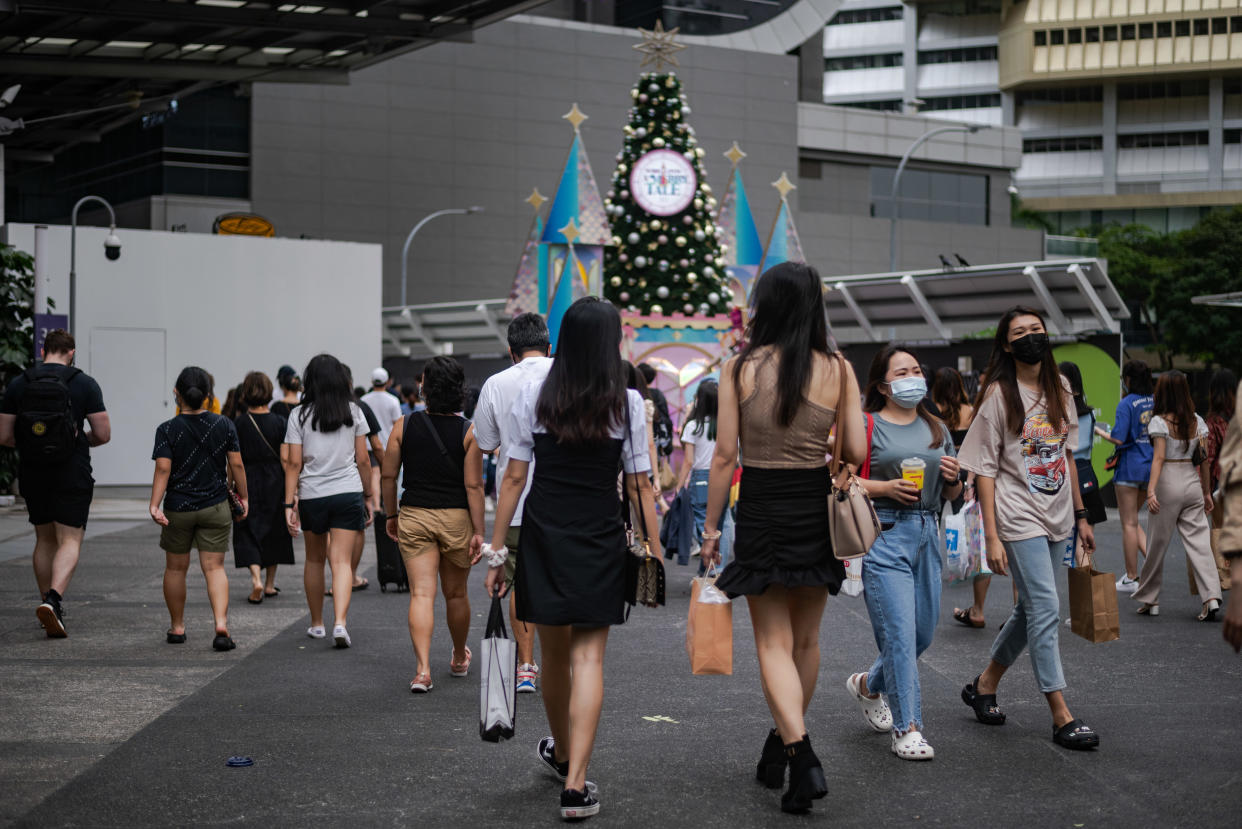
<point x="666" y="254"/>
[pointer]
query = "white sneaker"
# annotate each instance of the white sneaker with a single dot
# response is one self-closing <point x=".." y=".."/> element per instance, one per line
<point x="316" y="632"/>
<point x="341" y="636"/>
<point x="527" y="675"/>
<point x="1125" y="584"/>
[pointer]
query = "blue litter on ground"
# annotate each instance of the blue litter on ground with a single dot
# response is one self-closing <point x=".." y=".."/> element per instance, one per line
<point x="238" y="761"/>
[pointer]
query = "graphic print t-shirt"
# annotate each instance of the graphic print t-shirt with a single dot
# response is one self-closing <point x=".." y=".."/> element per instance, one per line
<point x="198" y="446"/>
<point x="1031" y="469"/>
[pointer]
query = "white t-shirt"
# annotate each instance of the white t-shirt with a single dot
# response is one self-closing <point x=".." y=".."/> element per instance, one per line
<point x="704" y="447"/>
<point x="1175" y="448"/>
<point x="387" y="411"/>
<point x="492" y="422"/>
<point x="328" y="463"/>
<point x="634" y="455"/>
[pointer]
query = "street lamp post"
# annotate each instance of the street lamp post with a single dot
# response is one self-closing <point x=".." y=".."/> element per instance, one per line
<point x="893" y="203"/>
<point x="405" y="251"/>
<point x="112" y="248"/>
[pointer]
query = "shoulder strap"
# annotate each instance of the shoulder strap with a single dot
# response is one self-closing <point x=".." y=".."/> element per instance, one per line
<point x="865" y="470"/>
<point x="431" y="427"/>
<point x="838" y="462"/>
<point x="262" y="436"/>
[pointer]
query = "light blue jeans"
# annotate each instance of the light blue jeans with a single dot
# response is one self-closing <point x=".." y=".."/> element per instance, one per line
<point x="698" y="502"/>
<point x="1036" y="617"/>
<point x="901" y="584"/>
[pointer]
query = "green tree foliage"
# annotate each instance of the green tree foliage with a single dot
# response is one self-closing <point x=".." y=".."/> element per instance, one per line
<point x="16" y="333"/>
<point x="662" y="264"/>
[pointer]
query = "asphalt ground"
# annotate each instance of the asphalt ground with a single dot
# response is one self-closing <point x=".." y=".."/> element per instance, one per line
<point x="113" y="727"/>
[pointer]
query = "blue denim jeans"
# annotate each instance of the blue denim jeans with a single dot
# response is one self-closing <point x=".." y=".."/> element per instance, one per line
<point x="698" y="502"/>
<point x="901" y="584"/>
<point x="1036" y="617"/>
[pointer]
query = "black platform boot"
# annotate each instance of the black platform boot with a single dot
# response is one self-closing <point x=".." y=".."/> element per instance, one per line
<point x="772" y="762"/>
<point x="806" y="777"/>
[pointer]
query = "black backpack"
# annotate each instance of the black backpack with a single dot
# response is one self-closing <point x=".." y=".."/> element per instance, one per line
<point x="47" y="429"/>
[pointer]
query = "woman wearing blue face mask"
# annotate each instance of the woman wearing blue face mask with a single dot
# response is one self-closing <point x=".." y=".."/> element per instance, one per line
<point x="912" y="466"/>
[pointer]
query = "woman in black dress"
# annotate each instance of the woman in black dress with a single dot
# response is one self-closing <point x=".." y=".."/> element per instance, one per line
<point x="261" y="541"/>
<point x="581" y="425"/>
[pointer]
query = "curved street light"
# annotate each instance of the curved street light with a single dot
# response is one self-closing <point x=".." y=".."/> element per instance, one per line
<point x="405" y="251"/>
<point x="893" y="203"/>
<point x="112" y="249"/>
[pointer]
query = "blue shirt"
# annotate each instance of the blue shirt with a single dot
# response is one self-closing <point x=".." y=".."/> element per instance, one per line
<point x="1133" y="415"/>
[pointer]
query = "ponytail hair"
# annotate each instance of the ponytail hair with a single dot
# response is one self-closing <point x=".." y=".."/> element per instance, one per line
<point x="194" y="386"/>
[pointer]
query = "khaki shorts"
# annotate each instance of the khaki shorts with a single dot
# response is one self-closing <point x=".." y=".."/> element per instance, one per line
<point x="512" y="538"/>
<point x="207" y="529"/>
<point x="422" y="530"/>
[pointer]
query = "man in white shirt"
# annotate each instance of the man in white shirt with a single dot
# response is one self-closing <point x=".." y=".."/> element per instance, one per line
<point x="528" y="348"/>
<point x="387" y="408"/>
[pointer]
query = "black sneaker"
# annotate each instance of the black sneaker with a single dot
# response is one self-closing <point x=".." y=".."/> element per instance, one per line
<point x="547" y="758"/>
<point x="576" y="805"/>
<point x="52" y="616"/>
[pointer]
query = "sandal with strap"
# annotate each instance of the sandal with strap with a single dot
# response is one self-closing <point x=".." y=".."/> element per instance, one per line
<point x="875" y="711"/>
<point x="461" y="668"/>
<point x="912" y="746"/>
<point x="421" y="684"/>
<point x="1076" y="735"/>
<point x="962" y="614"/>
<point x="984" y="705"/>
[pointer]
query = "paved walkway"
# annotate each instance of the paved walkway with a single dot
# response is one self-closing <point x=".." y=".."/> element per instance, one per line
<point x="112" y="727"/>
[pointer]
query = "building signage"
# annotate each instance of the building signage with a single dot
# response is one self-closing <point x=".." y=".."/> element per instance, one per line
<point x="663" y="182"/>
<point x="43" y="323"/>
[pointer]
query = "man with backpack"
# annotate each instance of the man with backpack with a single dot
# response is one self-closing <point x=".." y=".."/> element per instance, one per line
<point x="42" y="415"/>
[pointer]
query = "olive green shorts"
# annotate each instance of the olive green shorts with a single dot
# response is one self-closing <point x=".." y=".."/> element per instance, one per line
<point x="208" y="530"/>
<point x="511" y="541"/>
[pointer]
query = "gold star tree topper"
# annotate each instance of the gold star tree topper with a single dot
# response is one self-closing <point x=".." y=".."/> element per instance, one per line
<point x="783" y="185"/>
<point x="735" y="154"/>
<point x="575" y="116"/>
<point x="536" y="199"/>
<point x="659" y="46"/>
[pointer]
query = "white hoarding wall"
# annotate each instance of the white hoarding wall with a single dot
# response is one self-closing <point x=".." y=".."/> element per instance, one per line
<point x="230" y="304"/>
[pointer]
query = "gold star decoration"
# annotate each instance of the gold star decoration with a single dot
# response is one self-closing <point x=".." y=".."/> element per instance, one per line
<point x="783" y="185"/>
<point x="570" y="232"/>
<point x="575" y="116"/>
<point x="659" y="46"/>
<point x="735" y="154"/>
<point x="536" y="199"/>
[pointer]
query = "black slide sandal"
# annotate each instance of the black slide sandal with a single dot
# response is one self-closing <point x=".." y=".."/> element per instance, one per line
<point x="1076" y="735"/>
<point x="176" y="638"/>
<point x="984" y="705"/>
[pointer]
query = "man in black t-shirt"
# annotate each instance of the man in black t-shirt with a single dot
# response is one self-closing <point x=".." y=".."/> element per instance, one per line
<point x="58" y="496"/>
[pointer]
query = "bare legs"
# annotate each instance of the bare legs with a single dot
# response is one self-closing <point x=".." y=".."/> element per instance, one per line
<point x="990" y="679"/>
<point x="312" y="575"/>
<point x="269" y="586"/>
<point x="337" y="547"/>
<point x="786" y="624"/>
<point x="56" y="556"/>
<point x="457" y="606"/>
<point x="523" y="634"/>
<point x="979" y="585"/>
<point x="573" y="693"/>
<point x="422" y="571"/>
<point x="354" y="561"/>
<point x="176" y="565"/>
<point x="256" y="583"/>
<point x="1133" y="538"/>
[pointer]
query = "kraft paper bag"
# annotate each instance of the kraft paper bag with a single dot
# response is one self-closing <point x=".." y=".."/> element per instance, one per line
<point x="1093" y="604"/>
<point x="709" y="629"/>
<point x="1222" y="567"/>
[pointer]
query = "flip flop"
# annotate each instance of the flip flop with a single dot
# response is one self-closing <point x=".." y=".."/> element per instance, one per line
<point x="362" y="585"/>
<point x="253" y="600"/>
<point x="176" y="638"/>
<point x="275" y="592"/>
<point x="962" y="614"/>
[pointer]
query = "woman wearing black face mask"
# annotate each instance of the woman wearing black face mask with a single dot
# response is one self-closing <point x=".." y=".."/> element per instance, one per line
<point x="1019" y="448"/>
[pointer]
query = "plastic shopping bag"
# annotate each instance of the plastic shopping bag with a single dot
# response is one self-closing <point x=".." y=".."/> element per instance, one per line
<point x="853" y="585"/>
<point x="709" y="629"/>
<point x="973" y="560"/>
<point x="498" y="680"/>
<point x="954" y="545"/>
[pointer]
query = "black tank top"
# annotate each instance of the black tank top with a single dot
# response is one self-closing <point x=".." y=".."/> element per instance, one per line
<point x="435" y="478"/>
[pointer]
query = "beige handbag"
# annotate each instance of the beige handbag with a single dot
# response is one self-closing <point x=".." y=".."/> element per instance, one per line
<point x="852" y="523"/>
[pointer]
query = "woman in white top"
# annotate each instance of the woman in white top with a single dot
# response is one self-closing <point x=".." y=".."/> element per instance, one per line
<point x="698" y="445"/>
<point x="327" y="473"/>
<point x="1178" y="497"/>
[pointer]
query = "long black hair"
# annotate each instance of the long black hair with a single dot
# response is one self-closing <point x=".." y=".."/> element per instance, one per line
<point x="1002" y="372"/>
<point x="585" y="393"/>
<point x="787" y="314"/>
<point x="1223" y="394"/>
<point x="194" y="386"/>
<point x="327" y="396"/>
<point x="635" y="379"/>
<point x="874" y="399"/>
<point x="706" y="407"/>
<point x="948" y="392"/>
<point x="1071" y="372"/>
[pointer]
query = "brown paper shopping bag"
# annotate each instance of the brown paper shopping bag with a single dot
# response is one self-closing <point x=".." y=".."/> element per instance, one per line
<point x="709" y="629"/>
<point x="1222" y="567"/>
<point x="1093" y="604"/>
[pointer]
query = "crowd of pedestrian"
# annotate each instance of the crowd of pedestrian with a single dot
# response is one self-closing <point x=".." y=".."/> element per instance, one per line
<point x="582" y="444"/>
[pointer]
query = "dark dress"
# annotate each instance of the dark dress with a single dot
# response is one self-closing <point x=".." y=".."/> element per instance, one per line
<point x="262" y="538"/>
<point x="571" y="570"/>
<point x="282" y="409"/>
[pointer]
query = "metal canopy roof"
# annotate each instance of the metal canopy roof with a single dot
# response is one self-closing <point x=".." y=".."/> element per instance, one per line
<point x="76" y="55"/>
<point x="421" y="331"/>
<point x="1075" y="295"/>
<point x="1232" y="299"/>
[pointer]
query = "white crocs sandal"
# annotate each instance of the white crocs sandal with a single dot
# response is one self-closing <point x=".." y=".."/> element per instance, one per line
<point x="912" y="746"/>
<point x="875" y="711"/>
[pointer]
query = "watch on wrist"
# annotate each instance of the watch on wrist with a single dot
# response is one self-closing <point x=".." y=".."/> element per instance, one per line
<point x="1081" y="514"/>
<point x="289" y="506"/>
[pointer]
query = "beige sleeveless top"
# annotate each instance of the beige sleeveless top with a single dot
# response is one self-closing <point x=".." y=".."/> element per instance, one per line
<point x="765" y="443"/>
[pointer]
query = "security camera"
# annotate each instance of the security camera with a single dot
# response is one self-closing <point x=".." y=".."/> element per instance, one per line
<point x="1012" y="190"/>
<point x="112" y="246"/>
<point x="9" y="95"/>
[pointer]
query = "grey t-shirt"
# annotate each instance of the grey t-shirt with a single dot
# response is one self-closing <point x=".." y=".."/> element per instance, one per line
<point x="329" y="466"/>
<point x="892" y="443"/>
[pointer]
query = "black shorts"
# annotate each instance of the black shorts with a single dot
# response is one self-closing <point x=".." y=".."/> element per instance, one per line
<point x="62" y="497"/>
<point x="345" y="511"/>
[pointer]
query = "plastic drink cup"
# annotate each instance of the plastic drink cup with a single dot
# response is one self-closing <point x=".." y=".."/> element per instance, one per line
<point x="912" y="470"/>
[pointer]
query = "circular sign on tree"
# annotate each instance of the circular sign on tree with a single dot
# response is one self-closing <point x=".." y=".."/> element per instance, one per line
<point x="663" y="182"/>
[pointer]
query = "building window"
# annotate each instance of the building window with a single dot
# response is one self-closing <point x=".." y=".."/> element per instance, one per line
<point x="967" y="55"/>
<point x="1181" y="28"/>
<point x="1146" y="31"/>
<point x="866" y="16"/>
<point x="1233" y="85"/>
<point x="960" y="198"/>
<point x="1162" y="89"/>
<point x="1062" y="94"/>
<point x="961" y="102"/>
<point x="862" y="62"/>
<point x="1164" y="28"/>
<point x="1127" y="31"/>
<point x="882" y="106"/>
<point x="1092" y="34"/>
<point x="1041" y="38"/>
<point x="1220" y="25"/>
<point x="961" y="8"/>
<point x="1085" y="143"/>
<point x="1201" y="26"/>
<point x="1110" y="34"/>
<point x="1163" y="139"/>
<point x="1058" y="37"/>
<point x="1233" y="136"/>
<point x="1075" y="35"/>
